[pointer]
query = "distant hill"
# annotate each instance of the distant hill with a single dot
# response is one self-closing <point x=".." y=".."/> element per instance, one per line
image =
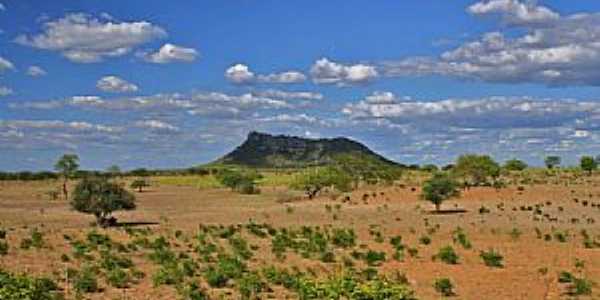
<point x="268" y="151"/>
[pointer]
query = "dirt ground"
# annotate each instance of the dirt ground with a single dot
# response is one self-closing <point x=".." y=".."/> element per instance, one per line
<point x="393" y="211"/>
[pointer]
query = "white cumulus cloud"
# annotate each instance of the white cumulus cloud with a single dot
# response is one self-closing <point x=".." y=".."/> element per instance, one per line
<point x="325" y="71"/>
<point x="82" y="38"/>
<point x="241" y="74"/>
<point x="36" y="71"/>
<point x="549" y="49"/>
<point x="116" y="85"/>
<point x="157" y="126"/>
<point x="515" y="11"/>
<point x="169" y="53"/>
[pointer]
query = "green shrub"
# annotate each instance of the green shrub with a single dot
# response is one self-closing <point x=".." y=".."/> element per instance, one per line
<point x="459" y="236"/>
<point x="565" y="277"/>
<point x="425" y="240"/>
<point x="226" y="268"/>
<point x="35" y="240"/>
<point x="444" y="286"/>
<point x="374" y="258"/>
<point x="19" y="287"/>
<point x="85" y="280"/>
<point x="3" y="248"/>
<point x="344" y="238"/>
<point x="191" y="291"/>
<point x="447" y="255"/>
<point x="492" y="258"/>
<point x="580" y="286"/>
<point x="118" y="278"/>
<point x="240" y="247"/>
<point x="168" y="274"/>
<point x="250" y="285"/>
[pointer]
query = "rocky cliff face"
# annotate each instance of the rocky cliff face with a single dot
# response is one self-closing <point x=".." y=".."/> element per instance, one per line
<point x="268" y="151"/>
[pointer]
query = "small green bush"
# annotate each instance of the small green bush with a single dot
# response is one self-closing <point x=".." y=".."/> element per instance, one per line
<point x="85" y="280"/>
<point x="425" y="240"/>
<point x="444" y="286"/>
<point x="447" y="255"/>
<point x="492" y="258"/>
<point x="118" y="278"/>
<point x="374" y="258"/>
<point x="19" y="287"/>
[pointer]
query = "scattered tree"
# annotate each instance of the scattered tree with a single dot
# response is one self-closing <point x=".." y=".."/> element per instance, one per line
<point x="243" y="181"/>
<point x="515" y="165"/>
<point x="313" y="181"/>
<point x="552" y="161"/>
<point x="476" y="168"/>
<point x="588" y="164"/>
<point x="367" y="169"/>
<point x="100" y="197"/>
<point x="67" y="165"/>
<point x="139" y="184"/>
<point x="440" y="188"/>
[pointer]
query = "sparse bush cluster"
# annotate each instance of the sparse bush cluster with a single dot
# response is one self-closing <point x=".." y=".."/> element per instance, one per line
<point x="242" y="181"/>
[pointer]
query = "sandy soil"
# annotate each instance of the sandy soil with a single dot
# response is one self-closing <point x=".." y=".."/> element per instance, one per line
<point x="394" y="210"/>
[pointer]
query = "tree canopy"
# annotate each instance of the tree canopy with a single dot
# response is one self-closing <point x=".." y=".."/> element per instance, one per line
<point x="313" y="181"/>
<point x="440" y="188"/>
<point x="515" y="165"/>
<point x="552" y="161"/>
<point x="476" y="168"/>
<point x="588" y="164"/>
<point x="241" y="180"/>
<point x="67" y="165"/>
<point x="101" y="197"/>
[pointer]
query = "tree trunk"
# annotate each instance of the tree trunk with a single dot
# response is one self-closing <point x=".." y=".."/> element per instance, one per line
<point x="65" y="190"/>
<point x="437" y="207"/>
<point x="139" y="189"/>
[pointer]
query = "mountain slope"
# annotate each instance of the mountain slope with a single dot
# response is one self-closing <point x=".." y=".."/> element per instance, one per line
<point x="268" y="151"/>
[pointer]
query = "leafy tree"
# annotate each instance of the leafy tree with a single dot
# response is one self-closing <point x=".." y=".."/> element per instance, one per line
<point x="101" y="197"/>
<point x="588" y="164"/>
<point x="552" y="161"/>
<point x="477" y="168"/>
<point x="313" y="181"/>
<point x="243" y="181"/>
<point x="364" y="168"/>
<point x="67" y="165"/>
<point x="139" y="184"/>
<point x="140" y="172"/>
<point x="515" y="165"/>
<point x="440" y="188"/>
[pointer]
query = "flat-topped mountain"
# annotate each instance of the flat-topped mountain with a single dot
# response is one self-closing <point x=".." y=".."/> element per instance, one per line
<point x="281" y="151"/>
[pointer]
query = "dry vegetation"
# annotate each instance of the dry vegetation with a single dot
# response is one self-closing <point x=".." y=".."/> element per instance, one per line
<point x="536" y="238"/>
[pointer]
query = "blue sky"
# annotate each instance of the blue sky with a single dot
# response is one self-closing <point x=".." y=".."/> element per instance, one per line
<point x="155" y="84"/>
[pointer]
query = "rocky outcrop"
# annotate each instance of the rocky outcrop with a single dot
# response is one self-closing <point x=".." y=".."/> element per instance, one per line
<point x="281" y="151"/>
